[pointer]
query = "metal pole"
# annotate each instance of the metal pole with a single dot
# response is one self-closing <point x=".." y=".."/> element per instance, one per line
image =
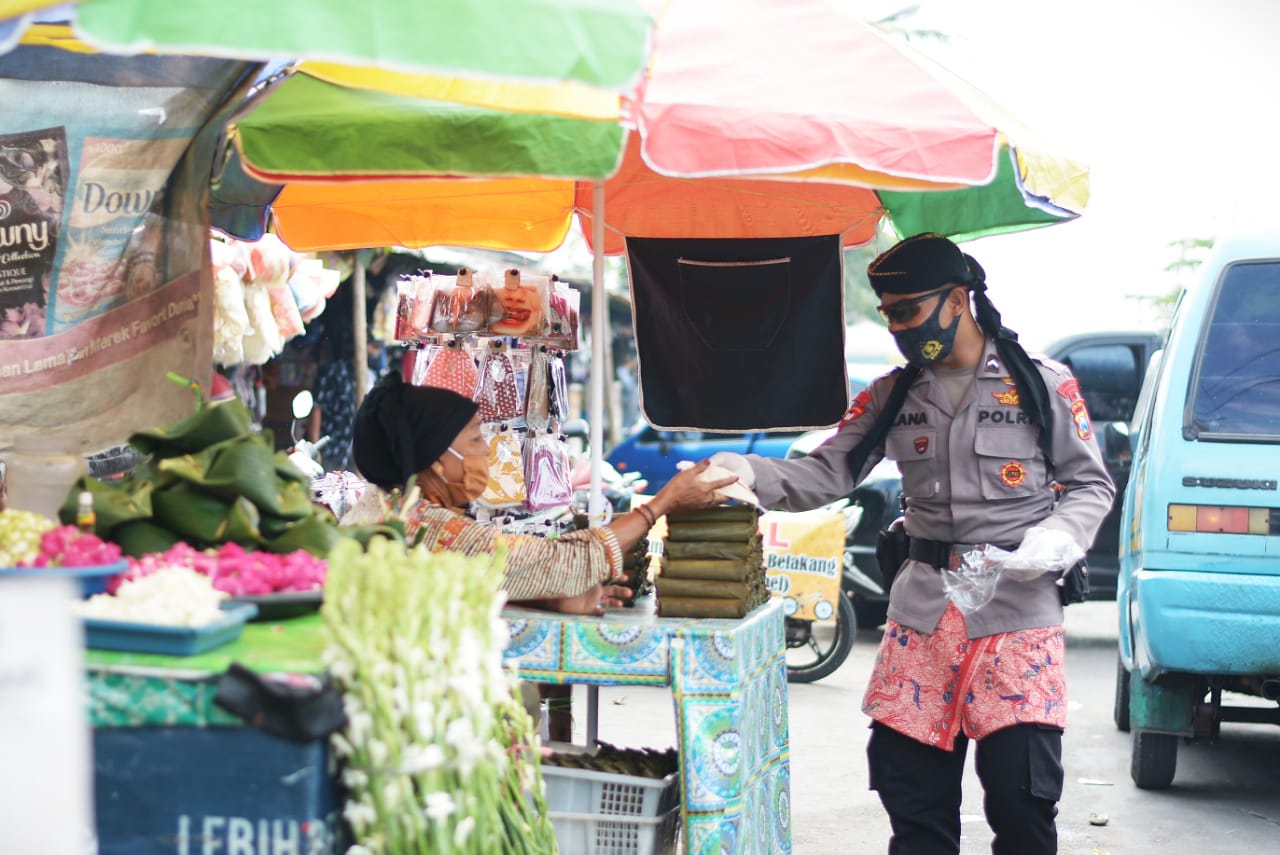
<point x="599" y="341"/>
<point x="358" y="315"/>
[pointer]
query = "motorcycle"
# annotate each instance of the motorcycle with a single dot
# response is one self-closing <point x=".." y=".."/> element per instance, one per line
<point x="815" y="649"/>
<point x="305" y="455"/>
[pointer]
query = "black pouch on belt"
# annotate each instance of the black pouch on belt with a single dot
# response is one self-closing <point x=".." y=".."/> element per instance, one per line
<point x="893" y="544"/>
<point x="1075" y="585"/>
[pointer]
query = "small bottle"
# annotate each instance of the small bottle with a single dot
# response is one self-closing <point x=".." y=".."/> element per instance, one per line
<point x="86" y="518"/>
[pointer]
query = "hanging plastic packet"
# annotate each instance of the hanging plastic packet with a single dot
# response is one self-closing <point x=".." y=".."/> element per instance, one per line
<point x="546" y="471"/>
<point x="561" y="327"/>
<point x="413" y="307"/>
<point x="496" y="391"/>
<point x="523" y="302"/>
<point x="972" y="582"/>
<point x="506" y="485"/>
<point x="557" y="387"/>
<point x="537" y="401"/>
<point x="452" y="367"/>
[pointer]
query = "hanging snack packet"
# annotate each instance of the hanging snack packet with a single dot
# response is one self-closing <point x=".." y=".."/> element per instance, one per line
<point x="496" y="391"/>
<point x="453" y="368"/>
<point x="506" y="470"/>
<point x="557" y="387"/>
<point x="523" y="300"/>
<point x="546" y="471"/>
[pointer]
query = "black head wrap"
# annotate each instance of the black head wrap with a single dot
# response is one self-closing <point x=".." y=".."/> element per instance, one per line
<point x="401" y="429"/>
<point x="927" y="261"/>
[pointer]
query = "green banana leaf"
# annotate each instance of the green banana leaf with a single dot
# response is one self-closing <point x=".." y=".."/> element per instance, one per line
<point x="112" y="505"/>
<point x="242" y="466"/>
<point x="362" y="534"/>
<point x="204" y="518"/>
<point x="140" y="537"/>
<point x="207" y="426"/>
<point x="317" y="534"/>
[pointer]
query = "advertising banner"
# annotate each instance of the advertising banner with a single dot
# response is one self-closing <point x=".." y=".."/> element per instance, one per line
<point x="104" y="283"/>
<point x="803" y="555"/>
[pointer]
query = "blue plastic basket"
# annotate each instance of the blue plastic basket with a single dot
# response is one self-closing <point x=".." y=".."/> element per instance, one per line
<point x="167" y="640"/>
<point x="92" y="579"/>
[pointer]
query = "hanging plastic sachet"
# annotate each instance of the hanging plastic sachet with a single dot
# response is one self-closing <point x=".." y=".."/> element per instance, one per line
<point x="546" y="471"/>
<point x="557" y="387"/>
<point x="452" y="368"/>
<point x="537" y="405"/>
<point x="506" y="470"/>
<point x="496" y="391"/>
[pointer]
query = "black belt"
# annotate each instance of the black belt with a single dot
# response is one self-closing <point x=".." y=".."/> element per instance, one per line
<point x="936" y="553"/>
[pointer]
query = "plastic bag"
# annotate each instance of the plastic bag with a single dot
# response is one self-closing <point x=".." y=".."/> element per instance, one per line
<point x="561" y="326"/>
<point x="407" y="311"/>
<point x="546" y="471"/>
<point x="1043" y="550"/>
<point x="506" y="468"/>
<point x="537" y="404"/>
<point x="496" y="390"/>
<point x="452" y="368"/>
<point x="972" y="583"/>
<point x="460" y="305"/>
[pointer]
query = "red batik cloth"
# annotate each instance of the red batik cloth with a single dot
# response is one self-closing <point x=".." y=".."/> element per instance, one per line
<point x="930" y="686"/>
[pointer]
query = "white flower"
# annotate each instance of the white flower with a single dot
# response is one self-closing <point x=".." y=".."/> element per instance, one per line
<point x="378" y="752"/>
<point x="359" y="726"/>
<point x="341" y="746"/>
<point x="355" y="779"/>
<point x="470" y="691"/>
<point x="360" y="814"/>
<point x="439" y="806"/>
<point x="358" y="850"/>
<point x="391" y="794"/>
<point x="422" y="758"/>
<point x="463" y="830"/>
<point x="458" y="732"/>
<point x="423" y="716"/>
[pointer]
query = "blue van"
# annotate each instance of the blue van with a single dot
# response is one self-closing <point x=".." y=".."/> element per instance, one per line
<point x="1199" y="585"/>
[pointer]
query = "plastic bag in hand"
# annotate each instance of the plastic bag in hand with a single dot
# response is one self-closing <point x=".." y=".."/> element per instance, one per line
<point x="1043" y="550"/>
<point x="972" y="584"/>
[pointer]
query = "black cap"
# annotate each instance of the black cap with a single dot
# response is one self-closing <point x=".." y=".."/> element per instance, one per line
<point x="402" y="429"/>
<point x="919" y="263"/>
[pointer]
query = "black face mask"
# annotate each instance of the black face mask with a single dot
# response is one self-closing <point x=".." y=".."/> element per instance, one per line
<point x="925" y="344"/>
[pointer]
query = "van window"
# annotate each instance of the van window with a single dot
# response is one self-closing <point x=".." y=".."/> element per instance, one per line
<point x="1236" y="380"/>
<point x="1109" y="376"/>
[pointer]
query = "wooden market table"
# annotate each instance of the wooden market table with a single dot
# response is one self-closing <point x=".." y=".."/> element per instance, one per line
<point x="728" y="681"/>
<point x="160" y="739"/>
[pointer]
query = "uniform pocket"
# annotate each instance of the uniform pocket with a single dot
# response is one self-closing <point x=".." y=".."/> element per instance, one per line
<point x="914" y="450"/>
<point x="1008" y="463"/>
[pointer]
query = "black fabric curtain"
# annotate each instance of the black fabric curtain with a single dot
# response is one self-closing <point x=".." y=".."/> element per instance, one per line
<point x="739" y="335"/>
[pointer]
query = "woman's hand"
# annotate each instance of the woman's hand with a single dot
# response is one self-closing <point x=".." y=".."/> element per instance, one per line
<point x="689" y="491"/>
<point x="592" y="601"/>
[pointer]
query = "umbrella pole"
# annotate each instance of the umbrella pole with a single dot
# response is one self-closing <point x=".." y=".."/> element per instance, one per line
<point x="599" y="340"/>
<point x="361" y="345"/>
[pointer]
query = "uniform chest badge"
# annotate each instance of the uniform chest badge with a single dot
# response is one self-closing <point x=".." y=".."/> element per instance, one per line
<point x="922" y="444"/>
<point x="1008" y="397"/>
<point x="1012" y="474"/>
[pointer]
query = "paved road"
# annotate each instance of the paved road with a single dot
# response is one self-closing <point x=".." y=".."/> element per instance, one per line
<point x="1225" y="798"/>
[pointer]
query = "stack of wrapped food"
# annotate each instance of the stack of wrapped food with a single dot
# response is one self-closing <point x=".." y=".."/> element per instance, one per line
<point x="713" y="564"/>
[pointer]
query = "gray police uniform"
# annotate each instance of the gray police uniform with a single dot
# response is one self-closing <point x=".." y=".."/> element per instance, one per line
<point x="971" y="474"/>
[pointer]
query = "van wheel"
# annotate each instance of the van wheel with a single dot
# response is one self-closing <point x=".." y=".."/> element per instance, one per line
<point x="1120" y="710"/>
<point x="1154" y="759"/>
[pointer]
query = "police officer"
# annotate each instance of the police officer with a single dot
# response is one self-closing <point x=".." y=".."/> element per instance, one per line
<point x="995" y="447"/>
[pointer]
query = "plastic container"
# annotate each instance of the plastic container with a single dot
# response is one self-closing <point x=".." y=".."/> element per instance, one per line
<point x="39" y="472"/>
<point x="92" y="580"/>
<point x="603" y="813"/>
<point x="167" y="640"/>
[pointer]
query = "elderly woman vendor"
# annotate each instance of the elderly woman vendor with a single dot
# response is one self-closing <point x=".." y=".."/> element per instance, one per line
<point x="432" y="436"/>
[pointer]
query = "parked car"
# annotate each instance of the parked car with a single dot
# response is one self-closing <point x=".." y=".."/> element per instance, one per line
<point x="1110" y="367"/>
<point x="1199" y="584"/>
<point x="654" y="453"/>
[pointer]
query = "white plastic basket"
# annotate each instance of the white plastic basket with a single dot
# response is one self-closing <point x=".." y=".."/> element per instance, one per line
<point x="603" y="813"/>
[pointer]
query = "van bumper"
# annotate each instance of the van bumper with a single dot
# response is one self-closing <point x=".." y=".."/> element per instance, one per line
<point x="1205" y="623"/>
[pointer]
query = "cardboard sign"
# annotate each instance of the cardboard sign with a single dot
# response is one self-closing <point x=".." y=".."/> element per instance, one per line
<point x="803" y="556"/>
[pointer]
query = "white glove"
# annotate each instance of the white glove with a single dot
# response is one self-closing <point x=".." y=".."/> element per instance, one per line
<point x="737" y="464"/>
<point x="1043" y="550"/>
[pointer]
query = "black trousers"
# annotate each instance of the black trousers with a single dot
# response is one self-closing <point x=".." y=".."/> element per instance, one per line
<point x="1021" y="772"/>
